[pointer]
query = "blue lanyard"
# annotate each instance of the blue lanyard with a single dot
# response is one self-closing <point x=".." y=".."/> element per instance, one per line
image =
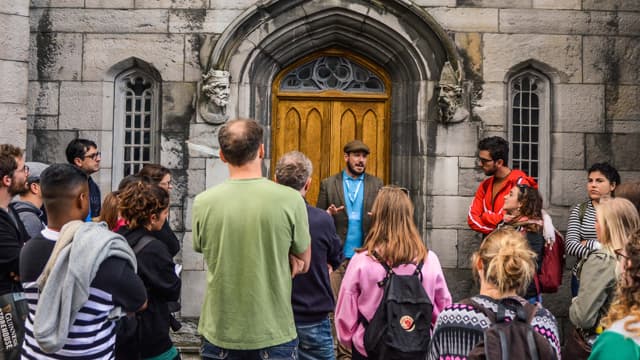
<point x="354" y="195"/>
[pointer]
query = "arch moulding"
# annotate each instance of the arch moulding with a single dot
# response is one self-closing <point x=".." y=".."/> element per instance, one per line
<point x="397" y="35"/>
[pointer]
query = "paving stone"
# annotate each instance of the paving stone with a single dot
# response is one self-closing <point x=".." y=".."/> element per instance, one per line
<point x="17" y="7"/>
<point x="201" y="21"/>
<point x="580" y="107"/>
<point x="557" y="4"/>
<point x="567" y="151"/>
<point x="164" y="52"/>
<point x="503" y="51"/>
<point x="172" y="4"/>
<point x="14" y="40"/>
<point x="13" y="81"/>
<point x="622" y="103"/>
<point x="567" y="187"/>
<point x="611" y="59"/>
<point x="81" y="105"/>
<point x="444" y="243"/>
<point x="55" y="56"/>
<point x="100" y="20"/>
<point x="611" y="5"/>
<point x="568" y="22"/>
<point x="466" y="19"/>
<point x="445" y="176"/>
<point x="43" y="98"/>
<point x="109" y="4"/>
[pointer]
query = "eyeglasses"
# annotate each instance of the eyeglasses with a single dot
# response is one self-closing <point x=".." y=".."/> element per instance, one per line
<point x="620" y="255"/>
<point x="484" y="161"/>
<point x="25" y="169"/>
<point x="94" y="155"/>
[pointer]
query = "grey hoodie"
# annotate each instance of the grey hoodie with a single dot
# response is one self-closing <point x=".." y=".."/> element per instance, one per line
<point x="64" y="284"/>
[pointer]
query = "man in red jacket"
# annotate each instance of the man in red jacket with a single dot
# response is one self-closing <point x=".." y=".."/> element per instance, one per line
<point x="486" y="212"/>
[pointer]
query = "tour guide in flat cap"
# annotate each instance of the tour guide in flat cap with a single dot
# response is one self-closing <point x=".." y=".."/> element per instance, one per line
<point x="348" y="196"/>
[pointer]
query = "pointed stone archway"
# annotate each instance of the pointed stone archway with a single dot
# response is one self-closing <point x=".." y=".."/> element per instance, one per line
<point x="396" y="35"/>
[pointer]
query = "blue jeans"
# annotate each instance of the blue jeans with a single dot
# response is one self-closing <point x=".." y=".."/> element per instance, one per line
<point x="575" y="285"/>
<point x="316" y="342"/>
<point x="286" y="351"/>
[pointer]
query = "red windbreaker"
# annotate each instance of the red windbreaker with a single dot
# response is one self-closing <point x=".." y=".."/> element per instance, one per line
<point x="485" y="215"/>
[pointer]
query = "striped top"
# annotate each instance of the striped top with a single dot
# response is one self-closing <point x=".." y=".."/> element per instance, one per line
<point x="460" y="327"/>
<point x="585" y="230"/>
<point x="92" y="334"/>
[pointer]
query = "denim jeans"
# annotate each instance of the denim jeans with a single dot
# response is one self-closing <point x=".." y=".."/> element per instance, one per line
<point x="286" y="351"/>
<point x="316" y="341"/>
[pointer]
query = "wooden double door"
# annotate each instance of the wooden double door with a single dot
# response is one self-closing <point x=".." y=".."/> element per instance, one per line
<point x="326" y="100"/>
<point x="320" y="129"/>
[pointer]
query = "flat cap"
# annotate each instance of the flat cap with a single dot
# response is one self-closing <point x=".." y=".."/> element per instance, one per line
<point x="355" y="146"/>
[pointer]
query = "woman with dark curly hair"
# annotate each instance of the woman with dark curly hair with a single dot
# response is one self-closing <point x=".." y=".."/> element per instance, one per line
<point x="621" y="340"/>
<point x="145" y="207"/>
<point x="602" y="180"/>
<point x="161" y="176"/>
<point x="523" y="208"/>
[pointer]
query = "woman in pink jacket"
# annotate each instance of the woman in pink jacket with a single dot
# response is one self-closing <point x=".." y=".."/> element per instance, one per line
<point x="396" y="240"/>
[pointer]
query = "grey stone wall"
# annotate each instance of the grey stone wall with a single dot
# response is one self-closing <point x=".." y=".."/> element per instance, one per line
<point x="587" y="48"/>
<point x="14" y="64"/>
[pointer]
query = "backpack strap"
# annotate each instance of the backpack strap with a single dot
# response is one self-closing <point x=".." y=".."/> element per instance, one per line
<point x="142" y="242"/>
<point x="582" y="210"/>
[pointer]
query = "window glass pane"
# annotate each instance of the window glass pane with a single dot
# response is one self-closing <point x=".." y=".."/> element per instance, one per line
<point x="136" y="154"/>
<point x="535" y="116"/>
<point x="534" y="169"/>
<point x="525" y="151"/>
<point x="137" y="123"/>
<point x="525" y="134"/>
<point x="146" y="154"/>
<point x="147" y="138"/>
<point x="516" y="164"/>
<point x="534" y="101"/>
<point x="534" y="152"/>
<point x="127" y="137"/>
<point x="127" y="154"/>
<point x="332" y="73"/>
<point x="516" y="101"/>
<point x="525" y="116"/>
<point x="516" y="134"/>
<point x="534" y="134"/>
<point x="136" y="137"/>
<point x="127" y="169"/>
<point x="147" y="121"/>
<point x="516" y="151"/>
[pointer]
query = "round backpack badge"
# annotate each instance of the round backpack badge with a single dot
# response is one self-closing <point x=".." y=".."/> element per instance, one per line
<point x="407" y="323"/>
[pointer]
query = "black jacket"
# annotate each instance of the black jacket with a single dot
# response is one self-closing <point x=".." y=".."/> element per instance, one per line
<point x="157" y="271"/>
<point x="311" y="296"/>
<point x="95" y="201"/>
<point x="12" y="237"/>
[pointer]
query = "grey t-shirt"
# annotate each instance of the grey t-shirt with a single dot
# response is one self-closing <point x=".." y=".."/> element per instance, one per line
<point x="29" y="215"/>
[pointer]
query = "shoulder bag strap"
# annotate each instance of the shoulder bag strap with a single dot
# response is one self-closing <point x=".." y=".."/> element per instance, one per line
<point x="142" y="242"/>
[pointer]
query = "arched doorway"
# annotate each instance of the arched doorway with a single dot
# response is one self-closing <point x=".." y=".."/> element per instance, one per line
<point x="325" y="100"/>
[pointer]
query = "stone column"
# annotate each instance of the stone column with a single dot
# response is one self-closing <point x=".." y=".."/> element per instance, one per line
<point x="14" y="67"/>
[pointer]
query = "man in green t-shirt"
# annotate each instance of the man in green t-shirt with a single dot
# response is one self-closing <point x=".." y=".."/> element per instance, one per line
<point x="246" y="228"/>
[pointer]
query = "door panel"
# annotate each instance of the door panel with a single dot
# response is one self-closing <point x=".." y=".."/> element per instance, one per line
<point x="320" y="129"/>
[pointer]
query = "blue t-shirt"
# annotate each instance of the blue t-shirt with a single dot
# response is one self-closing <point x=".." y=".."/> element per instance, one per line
<point x="353" y="199"/>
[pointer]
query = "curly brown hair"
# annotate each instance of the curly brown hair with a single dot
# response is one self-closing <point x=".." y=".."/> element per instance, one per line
<point x="140" y="200"/>
<point x="627" y="299"/>
<point x="531" y="206"/>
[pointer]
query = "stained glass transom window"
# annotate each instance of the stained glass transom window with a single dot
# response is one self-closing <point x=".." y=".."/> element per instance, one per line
<point x="332" y="73"/>
<point x="525" y="126"/>
<point x="138" y="131"/>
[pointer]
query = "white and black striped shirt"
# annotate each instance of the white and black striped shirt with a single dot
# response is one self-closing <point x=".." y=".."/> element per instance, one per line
<point x="92" y="334"/>
<point x="581" y="230"/>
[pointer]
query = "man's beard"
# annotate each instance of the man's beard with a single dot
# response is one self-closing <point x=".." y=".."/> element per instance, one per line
<point x="353" y="171"/>
<point x="490" y="172"/>
<point x="16" y="189"/>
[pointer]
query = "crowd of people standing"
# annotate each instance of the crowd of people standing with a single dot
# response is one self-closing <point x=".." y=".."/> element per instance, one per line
<point x="86" y="278"/>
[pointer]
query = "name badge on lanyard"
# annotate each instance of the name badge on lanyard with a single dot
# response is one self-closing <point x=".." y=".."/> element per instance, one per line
<point x="353" y="215"/>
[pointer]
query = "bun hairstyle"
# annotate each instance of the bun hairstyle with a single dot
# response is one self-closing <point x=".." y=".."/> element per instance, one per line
<point x="139" y="200"/>
<point x="507" y="260"/>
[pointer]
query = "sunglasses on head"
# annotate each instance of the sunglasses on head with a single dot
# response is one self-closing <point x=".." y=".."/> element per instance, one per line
<point x="393" y="187"/>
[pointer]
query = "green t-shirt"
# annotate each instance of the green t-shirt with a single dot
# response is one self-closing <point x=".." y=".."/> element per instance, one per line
<point x="617" y="343"/>
<point x="246" y="229"/>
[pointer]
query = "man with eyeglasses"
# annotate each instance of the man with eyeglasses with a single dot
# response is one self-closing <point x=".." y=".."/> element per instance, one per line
<point x="84" y="154"/>
<point x="486" y="210"/>
<point x="29" y="206"/>
<point x="13" y="307"/>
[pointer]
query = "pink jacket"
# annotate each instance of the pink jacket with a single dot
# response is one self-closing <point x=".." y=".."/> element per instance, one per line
<point x="360" y="293"/>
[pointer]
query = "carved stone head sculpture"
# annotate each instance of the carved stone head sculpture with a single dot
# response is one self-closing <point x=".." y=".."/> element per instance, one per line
<point x="216" y="87"/>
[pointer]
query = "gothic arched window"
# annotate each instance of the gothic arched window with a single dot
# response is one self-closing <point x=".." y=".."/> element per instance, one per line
<point x="136" y="123"/>
<point x="529" y="126"/>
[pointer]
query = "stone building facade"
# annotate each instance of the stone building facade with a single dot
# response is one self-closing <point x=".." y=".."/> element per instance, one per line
<point x="152" y="80"/>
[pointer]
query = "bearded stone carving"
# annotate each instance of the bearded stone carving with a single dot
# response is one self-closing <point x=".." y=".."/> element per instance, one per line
<point x="450" y="99"/>
<point x="214" y="97"/>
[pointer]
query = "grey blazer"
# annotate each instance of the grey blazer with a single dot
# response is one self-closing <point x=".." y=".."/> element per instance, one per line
<point x="332" y="192"/>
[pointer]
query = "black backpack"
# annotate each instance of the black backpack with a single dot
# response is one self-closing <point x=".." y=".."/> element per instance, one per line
<point x="400" y="328"/>
<point x="515" y="339"/>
